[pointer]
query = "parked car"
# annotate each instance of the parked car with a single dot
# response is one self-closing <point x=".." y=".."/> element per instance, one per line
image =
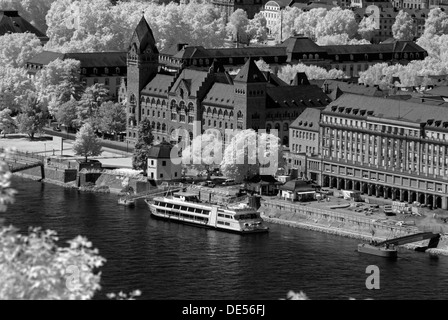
<point x="228" y="182"/>
<point x="210" y="184"/>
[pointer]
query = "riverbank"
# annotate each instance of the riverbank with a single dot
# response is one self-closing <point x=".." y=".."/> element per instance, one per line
<point x="344" y="229"/>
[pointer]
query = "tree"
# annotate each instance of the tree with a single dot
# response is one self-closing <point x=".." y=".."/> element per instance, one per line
<point x="250" y="153"/>
<point x="14" y="87"/>
<point x="366" y="28"/>
<point x="403" y="28"/>
<point x="306" y="23"/>
<point x="17" y="48"/>
<point x="7" y="123"/>
<point x="33" y="117"/>
<point x="436" y="23"/>
<point x="144" y="142"/>
<point x="90" y="102"/>
<point x="58" y="82"/>
<point x="237" y="25"/>
<point x="112" y="117"/>
<point x="288" y="72"/>
<point x="256" y="29"/>
<point x="204" y="151"/>
<point x="87" y="143"/>
<point x="337" y="21"/>
<point x="284" y="27"/>
<point x="67" y="113"/>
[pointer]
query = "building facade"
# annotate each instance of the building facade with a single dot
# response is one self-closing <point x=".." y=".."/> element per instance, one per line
<point x="107" y="68"/>
<point x="385" y="147"/>
<point x="195" y="99"/>
<point x="160" y="166"/>
<point x="297" y="49"/>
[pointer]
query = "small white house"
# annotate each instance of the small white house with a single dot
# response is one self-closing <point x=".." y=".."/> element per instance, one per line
<point x="160" y="165"/>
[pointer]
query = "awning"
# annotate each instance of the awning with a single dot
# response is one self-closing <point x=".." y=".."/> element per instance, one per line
<point x="307" y="192"/>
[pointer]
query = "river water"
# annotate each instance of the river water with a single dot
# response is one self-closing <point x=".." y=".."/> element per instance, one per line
<point x="166" y="260"/>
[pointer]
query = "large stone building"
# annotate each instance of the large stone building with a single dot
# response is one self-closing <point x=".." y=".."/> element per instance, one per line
<point x="107" y="68"/>
<point x="12" y="22"/>
<point x="385" y="147"/>
<point x="209" y="97"/>
<point x="297" y="49"/>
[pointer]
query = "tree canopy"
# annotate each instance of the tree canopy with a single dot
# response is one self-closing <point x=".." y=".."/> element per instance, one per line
<point x="87" y="143"/>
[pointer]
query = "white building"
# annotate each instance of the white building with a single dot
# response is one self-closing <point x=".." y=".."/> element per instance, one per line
<point x="272" y="12"/>
<point x="160" y="164"/>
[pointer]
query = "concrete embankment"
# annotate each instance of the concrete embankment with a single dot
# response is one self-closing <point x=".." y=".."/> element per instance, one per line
<point x="341" y="224"/>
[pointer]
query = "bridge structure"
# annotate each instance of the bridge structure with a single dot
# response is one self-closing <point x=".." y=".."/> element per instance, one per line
<point x="435" y="237"/>
<point x="19" y="161"/>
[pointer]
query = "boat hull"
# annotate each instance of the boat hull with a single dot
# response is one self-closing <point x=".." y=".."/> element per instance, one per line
<point x="377" y="251"/>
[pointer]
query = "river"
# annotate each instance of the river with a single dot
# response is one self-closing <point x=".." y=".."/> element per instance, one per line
<point x="166" y="260"/>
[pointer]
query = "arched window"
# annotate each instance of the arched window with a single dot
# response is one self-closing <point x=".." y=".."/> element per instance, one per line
<point x="173" y="105"/>
<point x="316" y="56"/>
<point x="84" y="70"/>
<point x="190" y="107"/>
<point x="153" y="101"/>
<point x="268" y="127"/>
<point x="158" y="102"/>
<point x="132" y="99"/>
<point x="231" y="114"/>
<point x="106" y="70"/>
<point x="305" y="57"/>
<point x="117" y="70"/>
<point x="225" y="113"/>
<point x="95" y="71"/>
<point x="158" y="126"/>
<point x="352" y="57"/>
<point x="214" y="112"/>
<point x="231" y="60"/>
<point x="163" y="103"/>
<point x="220" y="113"/>
<point x="285" y="127"/>
<point x="396" y="56"/>
<point x="239" y="115"/>
<point x="147" y="100"/>
<point x="381" y="56"/>
<point x="337" y="57"/>
<point x="163" y="128"/>
<point x="405" y="55"/>
<point x="182" y="105"/>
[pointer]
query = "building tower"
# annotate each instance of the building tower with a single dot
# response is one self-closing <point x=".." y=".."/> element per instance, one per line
<point x="250" y="97"/>
<point x="142" y="62"/>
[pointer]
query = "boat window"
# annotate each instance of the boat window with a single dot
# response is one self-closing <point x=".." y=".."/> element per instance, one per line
<point x="176" y="206"/>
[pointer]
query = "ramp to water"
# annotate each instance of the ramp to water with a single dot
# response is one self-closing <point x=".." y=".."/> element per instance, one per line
<point x="411" y="238"/>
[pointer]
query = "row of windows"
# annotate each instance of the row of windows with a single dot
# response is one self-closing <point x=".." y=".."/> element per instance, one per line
<point x="95" y="70"/>
<point x="182" y="208"/>
<point x="308" y="149"/>
<point x="218" y="124"/>
<point x="183" y="215"/>
<point x="227" y="216"/>
<point x="304" y="135"/>
<point x="277" y="127"/>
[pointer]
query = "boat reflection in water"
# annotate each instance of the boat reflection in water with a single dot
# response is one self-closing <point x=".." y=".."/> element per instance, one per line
<point x="186" y="208"/>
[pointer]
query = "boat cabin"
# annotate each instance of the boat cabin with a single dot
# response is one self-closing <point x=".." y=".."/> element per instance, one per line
<point x="186" y="196"/>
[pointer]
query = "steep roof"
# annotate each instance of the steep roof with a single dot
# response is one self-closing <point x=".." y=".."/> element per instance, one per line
<point x="301" y="44"/>
<point x="193" y="79"/>
<point x="302" y="96"/>
<point x="250" y="73"/>
<point x="190" y="52"/>
<point x="145" y="36"/>
<point x="308" y="120"/>
<point x="220" y="94"/>
<point x="397" y="46"/>
<point x="300" y="79"/>
<point x="159" y="85"/>
<point x="160" y="151"/>
<point x="12" y="22"/>
<point x="45" y="57"/>
<point x="350" y="87"/>
<point x="393" y="109"/>
<point x="87" y="59"/>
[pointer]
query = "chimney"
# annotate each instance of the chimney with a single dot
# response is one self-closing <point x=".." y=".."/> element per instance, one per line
<point x="180" y="46"/>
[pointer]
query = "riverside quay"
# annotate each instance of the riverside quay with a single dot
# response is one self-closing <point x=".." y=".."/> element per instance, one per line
<point x="386" y="148"/>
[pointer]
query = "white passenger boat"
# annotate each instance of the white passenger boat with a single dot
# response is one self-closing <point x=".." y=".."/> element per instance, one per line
<point x="186" y="208"/>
